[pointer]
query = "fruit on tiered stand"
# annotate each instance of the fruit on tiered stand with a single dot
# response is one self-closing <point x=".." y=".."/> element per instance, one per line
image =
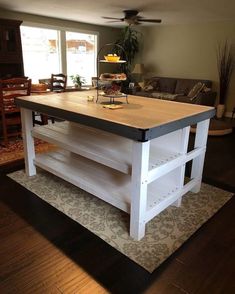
<point x="114" y="89"/>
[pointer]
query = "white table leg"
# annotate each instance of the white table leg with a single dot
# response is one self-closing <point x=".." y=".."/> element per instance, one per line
<point x="140" y="163"/>
<point x="198" y="162"/>
<point x="28" y="141"/>
<point x="183" y="150"/>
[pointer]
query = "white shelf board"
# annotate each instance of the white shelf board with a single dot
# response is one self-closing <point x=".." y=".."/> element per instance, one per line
<point x="104" y="182"/>
<point x="99" y="145"/>
<point x="99" y="180"/>
<point x="92" y="143"/>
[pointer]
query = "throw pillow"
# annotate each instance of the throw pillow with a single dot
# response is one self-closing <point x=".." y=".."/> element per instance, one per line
<point x="206" y="89"/>
<point x="152" y="84"/>
<point x="148" y="88"/>
<point x="197" y="88"/>
<point x="155" y="84"/>
<point x="141" y="85"/>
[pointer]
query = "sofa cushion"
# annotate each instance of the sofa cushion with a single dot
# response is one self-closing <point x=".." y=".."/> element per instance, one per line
<point x="164" y="96"/>
<point x="206" y="89"/>
<point x="151" y="84"/>
<point x="196" y="89"/>
<point x="167" y="85"/>
<point x="184" y="99"/>
<point x="148" y="88"/>
<point x="183" y="86"/>
<point x="143" y="94"/>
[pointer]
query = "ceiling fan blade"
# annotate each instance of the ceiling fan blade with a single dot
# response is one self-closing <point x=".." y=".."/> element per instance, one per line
<point x="150" y="20"/>
<point x="107" y="17"/>
<point x="111" y="21"/>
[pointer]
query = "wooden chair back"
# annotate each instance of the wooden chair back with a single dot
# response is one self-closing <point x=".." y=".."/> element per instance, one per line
<point x="10" y="113"/>
<point x="46" y="82"/>
<point x="58" y="82"/>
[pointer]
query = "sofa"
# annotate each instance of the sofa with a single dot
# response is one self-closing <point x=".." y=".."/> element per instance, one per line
<point x="180" y="90"/>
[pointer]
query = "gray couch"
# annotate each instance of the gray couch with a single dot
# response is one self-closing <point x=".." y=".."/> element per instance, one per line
<point x="179" y="90"/>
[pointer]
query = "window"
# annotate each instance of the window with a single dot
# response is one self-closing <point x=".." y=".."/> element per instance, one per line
<point x="81" y="55"/>
<point x="44" y="53"/>
<point x="40" y="52"/>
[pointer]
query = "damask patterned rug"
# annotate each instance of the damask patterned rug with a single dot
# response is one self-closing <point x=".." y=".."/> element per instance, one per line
<point x="15" y="150"/>
<point x="164" y="234"/>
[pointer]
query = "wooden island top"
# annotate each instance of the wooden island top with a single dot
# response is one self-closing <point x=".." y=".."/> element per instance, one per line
<point x="142" y="119"/>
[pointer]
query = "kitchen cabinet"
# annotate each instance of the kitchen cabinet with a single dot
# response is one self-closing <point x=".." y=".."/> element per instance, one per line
<point x="11" y="57"/>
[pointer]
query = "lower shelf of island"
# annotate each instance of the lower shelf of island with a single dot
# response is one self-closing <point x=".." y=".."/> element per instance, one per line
<point x="108" y="184"/>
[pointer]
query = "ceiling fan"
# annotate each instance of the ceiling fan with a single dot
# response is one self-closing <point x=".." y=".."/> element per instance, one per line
<point x="131" y="17"/>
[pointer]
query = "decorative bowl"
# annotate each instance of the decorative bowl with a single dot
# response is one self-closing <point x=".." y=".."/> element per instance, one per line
<point x="112" y="58"/>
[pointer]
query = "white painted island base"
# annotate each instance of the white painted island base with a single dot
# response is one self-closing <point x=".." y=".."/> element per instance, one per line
<point x="140" y="178"/>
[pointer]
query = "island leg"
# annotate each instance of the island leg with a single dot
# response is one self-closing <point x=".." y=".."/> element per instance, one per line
<point x="198" y="162"/>
<point x="28" y="141"/>
<point x="140" y="164"/>
<point x="183" y="147"/>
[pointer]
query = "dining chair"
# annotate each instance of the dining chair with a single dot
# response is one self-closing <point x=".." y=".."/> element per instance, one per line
<point x="58" y="82"/>
<point x="10" y="113"/>
<point x="46" y="82"/>
<point x="42" y="88"/>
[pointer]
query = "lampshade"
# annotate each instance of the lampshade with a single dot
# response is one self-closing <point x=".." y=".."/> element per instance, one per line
<point x="138" y="69"/>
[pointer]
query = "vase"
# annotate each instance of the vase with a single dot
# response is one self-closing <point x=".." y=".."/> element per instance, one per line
<point x="220" y="110"/>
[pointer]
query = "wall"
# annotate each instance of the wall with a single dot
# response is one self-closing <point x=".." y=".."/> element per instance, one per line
<point x="187" y="51"/>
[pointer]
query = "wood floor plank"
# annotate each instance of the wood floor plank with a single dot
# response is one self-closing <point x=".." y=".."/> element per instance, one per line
<point x="10" y="222"/>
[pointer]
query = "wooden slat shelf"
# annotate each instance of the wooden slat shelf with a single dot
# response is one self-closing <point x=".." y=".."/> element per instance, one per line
<point x="108" y="184"/>
<point x="88" y="175"/>
<point x="88" y="142"/>
<point x="100" y="146"/>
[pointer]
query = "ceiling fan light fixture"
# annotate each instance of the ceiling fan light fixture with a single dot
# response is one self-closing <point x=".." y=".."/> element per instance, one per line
<point x="131" y="17"/>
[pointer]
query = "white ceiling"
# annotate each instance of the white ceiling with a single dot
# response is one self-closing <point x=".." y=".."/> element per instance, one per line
<point x="170" y="11"/>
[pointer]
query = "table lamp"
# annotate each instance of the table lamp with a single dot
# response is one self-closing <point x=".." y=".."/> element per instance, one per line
<point x="138" y="71"/>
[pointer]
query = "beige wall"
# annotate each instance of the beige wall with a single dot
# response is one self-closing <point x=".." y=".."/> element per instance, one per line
<point x="187" y="51"/>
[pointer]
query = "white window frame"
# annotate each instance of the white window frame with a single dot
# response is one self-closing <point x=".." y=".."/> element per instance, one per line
<point x="62" y="41"/>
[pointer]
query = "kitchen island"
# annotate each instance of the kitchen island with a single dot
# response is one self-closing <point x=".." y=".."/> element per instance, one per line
<point x="132" y="157"/>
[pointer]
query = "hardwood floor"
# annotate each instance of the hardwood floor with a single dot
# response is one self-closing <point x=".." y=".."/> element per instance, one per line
<point x="43" y="251"/>
<point x="219" y="167"/>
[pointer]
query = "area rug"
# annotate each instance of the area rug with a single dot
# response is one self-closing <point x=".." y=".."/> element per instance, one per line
<point x="15" y="150"/>
<point x="164" y="234"/>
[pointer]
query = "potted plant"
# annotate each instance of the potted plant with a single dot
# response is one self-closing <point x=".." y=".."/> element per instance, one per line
<point x="225" y="64"/>
<point x="77" y="80"/>
<point x="129" y="41"/>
